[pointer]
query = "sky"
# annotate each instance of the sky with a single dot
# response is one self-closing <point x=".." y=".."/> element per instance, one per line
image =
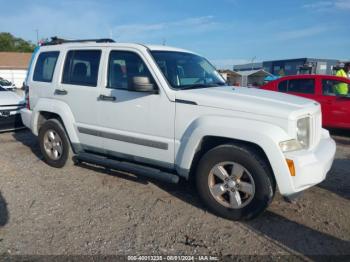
<point x="227" y="32"/>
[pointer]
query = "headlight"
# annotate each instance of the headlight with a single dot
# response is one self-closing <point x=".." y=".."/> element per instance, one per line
<point x="290" y="145"/>
<point x="303" y="132"/>
<point x="303" y="137"/>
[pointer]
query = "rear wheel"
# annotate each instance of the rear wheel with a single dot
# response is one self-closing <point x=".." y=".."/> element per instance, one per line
<point x="54" y="144"/>
<point x="234" y="182"/>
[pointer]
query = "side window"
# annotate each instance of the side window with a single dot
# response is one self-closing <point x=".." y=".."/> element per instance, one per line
<point x="282" y="86"/>
<point x="124" y="65"/>
<point x="333" y="87"/>
<point x="45" y="66"/>
<point x="81" y="67"/>
<point x="304" y="86"/>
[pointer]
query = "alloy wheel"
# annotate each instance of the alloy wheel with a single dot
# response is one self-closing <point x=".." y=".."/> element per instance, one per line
<point x="231" y="185"/>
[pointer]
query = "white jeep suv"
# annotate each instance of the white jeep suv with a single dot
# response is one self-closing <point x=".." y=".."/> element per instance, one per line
<point x="165" y="113"/>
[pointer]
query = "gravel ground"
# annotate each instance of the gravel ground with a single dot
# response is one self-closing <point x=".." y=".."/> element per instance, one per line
<point x="88" y="210"/>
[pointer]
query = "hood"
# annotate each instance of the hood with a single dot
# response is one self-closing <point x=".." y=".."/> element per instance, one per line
<point x="249" y="100"/>
<point x="10" y="98"/>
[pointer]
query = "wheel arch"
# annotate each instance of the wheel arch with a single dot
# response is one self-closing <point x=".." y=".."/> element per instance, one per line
<point x="204" y="134"/>
<point x="209" y="142"/>
<point x="47" y="109"/>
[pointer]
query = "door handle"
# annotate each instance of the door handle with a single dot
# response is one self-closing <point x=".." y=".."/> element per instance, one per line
<point x="61" y="92"/>
<point x="107" y="98"/>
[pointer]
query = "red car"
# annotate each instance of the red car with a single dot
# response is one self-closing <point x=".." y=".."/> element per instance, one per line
<point x="335" y="108"/>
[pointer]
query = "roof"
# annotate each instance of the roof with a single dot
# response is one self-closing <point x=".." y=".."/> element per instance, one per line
<point x="227" y="71"/>
<point x="123" y="45"/>
<point x="248" y="66"/>
<point x="302" y="59"/>
<point x="341" y="78"/>
<point x="14" y="60"/>
<point x="253" y="72"/>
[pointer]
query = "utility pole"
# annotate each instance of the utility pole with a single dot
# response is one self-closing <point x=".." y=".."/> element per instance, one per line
<point x="37" y="36"/>
<point x="253" y="59"/>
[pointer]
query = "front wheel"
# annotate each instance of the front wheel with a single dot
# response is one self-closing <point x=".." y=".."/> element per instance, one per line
<point x="234" y="182"/>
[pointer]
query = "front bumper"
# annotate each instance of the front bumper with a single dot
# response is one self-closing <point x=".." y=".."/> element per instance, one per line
<point x="311" y="166"/>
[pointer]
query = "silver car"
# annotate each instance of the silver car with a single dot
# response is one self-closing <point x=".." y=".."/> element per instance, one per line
<point x="10" y="105"/>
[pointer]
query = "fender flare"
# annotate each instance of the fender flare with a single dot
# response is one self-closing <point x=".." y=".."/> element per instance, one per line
<point x="266" y="136"/>
<point x="56" y="107"/>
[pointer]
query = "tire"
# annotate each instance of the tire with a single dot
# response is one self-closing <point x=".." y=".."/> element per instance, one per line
<point x="234" y="182"/>
<point x="52" y="135"/>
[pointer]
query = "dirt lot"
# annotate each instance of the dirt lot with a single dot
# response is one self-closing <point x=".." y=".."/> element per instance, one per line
<point x="87" y="210"/>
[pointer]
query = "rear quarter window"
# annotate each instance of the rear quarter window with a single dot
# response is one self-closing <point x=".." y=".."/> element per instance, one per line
<point x="45" y="66"/>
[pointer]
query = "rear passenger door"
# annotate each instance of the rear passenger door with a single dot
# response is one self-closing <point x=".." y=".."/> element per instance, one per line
<point x="79" y="87"/>
<point x="44" y="75"/>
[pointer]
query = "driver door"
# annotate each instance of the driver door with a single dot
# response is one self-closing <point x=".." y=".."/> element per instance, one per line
<point x="135" y="125"/>
<point x="336" y="109"/>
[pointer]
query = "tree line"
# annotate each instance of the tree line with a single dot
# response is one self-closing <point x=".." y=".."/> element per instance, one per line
<point x="10" y="43"/>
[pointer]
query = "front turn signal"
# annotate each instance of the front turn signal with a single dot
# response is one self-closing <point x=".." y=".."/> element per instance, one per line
<point x="291" y="167"/>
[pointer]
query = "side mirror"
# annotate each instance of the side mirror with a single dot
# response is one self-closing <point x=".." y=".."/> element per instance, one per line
<point x="141" y="84"/>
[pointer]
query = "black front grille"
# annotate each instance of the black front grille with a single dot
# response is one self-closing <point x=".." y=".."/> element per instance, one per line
<point x="10" y="122"/>
<point x="17" y="106"/>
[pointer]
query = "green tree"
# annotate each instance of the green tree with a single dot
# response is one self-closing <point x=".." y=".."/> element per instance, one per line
<point x="10" y="43"/>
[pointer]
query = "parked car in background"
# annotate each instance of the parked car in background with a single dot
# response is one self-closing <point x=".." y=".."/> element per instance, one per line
<point x="322" y="88"/>
<point x="6" y="84"/>
<point x="10" y="105"/>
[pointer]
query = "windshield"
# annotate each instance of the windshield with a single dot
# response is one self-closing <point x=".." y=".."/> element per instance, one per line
<point x="5" y="82"/>
<point x="186" y="70"/>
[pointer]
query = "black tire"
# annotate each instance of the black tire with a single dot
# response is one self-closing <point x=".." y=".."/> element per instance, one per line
<point x="258" y="169"/>
<point x="67" y="154"/>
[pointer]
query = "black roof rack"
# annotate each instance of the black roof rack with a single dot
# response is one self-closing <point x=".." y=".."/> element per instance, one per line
<point x="57" y="41"/>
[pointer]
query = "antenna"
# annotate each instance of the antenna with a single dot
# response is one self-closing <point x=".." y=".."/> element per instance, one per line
<point x="164" y="41"/>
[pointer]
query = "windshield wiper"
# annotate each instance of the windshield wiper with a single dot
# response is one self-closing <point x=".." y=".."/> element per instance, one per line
<point x="199" y="86"/>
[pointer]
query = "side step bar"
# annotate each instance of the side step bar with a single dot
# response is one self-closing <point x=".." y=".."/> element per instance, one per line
<point x="133" y="168"/>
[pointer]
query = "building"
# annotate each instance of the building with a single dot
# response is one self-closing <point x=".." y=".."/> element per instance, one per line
<point x="13" y="66"/>
<point x="232" y="78"/>
<point x="248" y="78"/>
<point x="253" y="78"/>
<point x="292" y="66"/>
<point x="248" y="67"/>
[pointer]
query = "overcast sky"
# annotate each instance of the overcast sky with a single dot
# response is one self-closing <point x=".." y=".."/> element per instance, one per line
<point x="226" y="31"/>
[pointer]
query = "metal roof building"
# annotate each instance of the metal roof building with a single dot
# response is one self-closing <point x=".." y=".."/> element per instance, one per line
<point x="292" y="66"/>
<point x="247" y="67"/>
<point x="245" y="78"/>
<point x="253" y="77"/>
